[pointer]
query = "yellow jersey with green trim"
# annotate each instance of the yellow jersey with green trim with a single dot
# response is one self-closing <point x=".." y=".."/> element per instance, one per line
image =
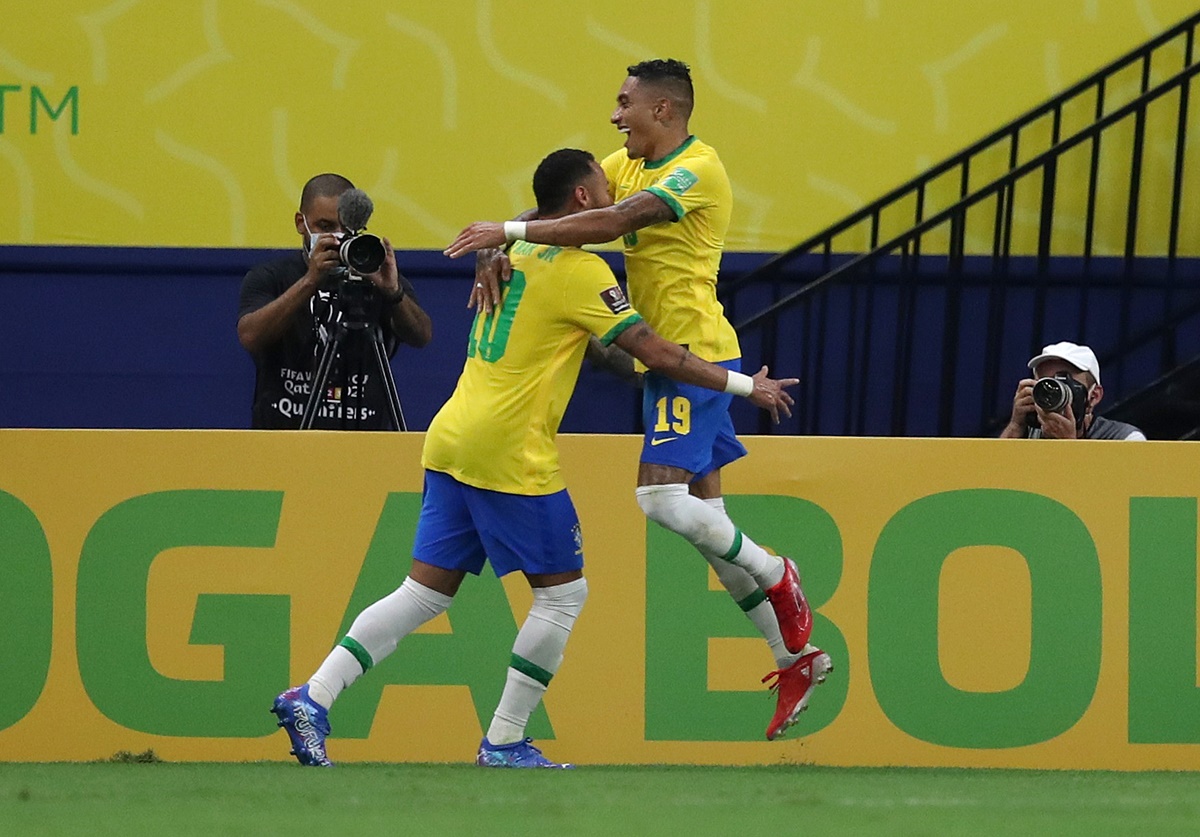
<point x="497" y="429"/>
<point x="671" y="268"/>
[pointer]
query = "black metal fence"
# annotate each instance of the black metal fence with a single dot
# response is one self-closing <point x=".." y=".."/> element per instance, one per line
<point x="916" y="314"/>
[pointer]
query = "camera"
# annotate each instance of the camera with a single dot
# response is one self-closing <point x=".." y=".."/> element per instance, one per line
<point x="1054" y="394"/>
<point x="362" y="253"/>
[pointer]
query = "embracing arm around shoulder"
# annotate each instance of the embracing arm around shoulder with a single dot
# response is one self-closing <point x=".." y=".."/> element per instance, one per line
<point x="598" y="226"/>
<point x="591" y="226"/>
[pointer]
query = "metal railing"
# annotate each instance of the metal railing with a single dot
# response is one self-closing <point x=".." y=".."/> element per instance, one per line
<point x="862" y="332"/>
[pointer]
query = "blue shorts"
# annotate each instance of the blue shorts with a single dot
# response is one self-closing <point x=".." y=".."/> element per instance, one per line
<point x="460" y="527"/>
<point x="687" y="426"/>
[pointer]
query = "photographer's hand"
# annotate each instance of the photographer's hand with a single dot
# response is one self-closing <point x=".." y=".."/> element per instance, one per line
<point x="324" y="258"/>
<point x="1058" y="425"/>
<point x="387" y="278"/>
<point x="1023" y="406"/>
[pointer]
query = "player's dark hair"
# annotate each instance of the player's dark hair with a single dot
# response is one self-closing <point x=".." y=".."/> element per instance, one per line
<point x="557" y="176"/>
<point x="326" y="185"/>
<point x="672" y="76"/>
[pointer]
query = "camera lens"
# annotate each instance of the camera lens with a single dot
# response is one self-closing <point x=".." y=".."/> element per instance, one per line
<point x="1051" y="394"/>
<point x="363" y="253"/>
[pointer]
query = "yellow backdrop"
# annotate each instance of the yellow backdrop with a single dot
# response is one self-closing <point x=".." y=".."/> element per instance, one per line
<point x="195" y="123"/>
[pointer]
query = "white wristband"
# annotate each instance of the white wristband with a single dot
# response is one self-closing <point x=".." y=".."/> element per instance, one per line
<point x="739" y="384"/>
<point x="514" y="231"/>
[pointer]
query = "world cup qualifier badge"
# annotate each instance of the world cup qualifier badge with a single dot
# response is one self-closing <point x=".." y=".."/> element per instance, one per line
<point x="615" y="299"/>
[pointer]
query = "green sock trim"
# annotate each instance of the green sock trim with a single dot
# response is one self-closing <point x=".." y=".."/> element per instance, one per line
<point x="360" y="653"/>
<point x="752" y="601"/>
<point x="531" y="670"/>
<point x="736" y="548"/>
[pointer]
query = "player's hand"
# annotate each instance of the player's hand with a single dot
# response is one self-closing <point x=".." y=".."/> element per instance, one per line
<point x="769" y="394"/>
<point x="323" y="258"/>
<point x="492" y="269"/>
<point x="477" y="236"/>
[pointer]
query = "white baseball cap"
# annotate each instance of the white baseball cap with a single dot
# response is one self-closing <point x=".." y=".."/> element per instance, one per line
<point x="1081" y="357"/>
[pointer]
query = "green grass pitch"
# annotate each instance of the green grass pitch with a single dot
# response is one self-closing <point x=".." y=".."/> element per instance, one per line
<point x="420" y="799"/>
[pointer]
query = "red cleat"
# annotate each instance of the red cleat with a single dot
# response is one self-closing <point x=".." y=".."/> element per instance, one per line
<point x="793" y="687"/>
<point x="791" y="609"/>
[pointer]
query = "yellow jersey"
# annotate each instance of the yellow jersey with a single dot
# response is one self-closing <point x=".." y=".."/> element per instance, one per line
<point x="497" y="429"/>
<point x="671" y="268"/>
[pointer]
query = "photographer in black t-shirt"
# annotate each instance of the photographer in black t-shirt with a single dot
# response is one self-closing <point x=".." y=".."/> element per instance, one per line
<point x="289" y="309"/>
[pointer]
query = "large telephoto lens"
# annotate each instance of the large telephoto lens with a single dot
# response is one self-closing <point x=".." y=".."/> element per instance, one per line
<point x="363" y="253"/>
<point x="1051" y="394"/>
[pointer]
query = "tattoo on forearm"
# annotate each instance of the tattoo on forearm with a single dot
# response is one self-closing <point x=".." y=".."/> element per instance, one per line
<point x="613" y="359"/>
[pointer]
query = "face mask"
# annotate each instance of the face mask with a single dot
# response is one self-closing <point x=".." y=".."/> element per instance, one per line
<point x="314" y="237"/>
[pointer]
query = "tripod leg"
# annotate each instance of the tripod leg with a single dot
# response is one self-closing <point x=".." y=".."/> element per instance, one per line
<point x="321" y="379"/>
<point x="389" y="383"/>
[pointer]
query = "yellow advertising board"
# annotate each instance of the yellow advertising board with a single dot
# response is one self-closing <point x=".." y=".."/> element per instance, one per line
<point x="986" y="603"/>
<point x="195" y="122"/>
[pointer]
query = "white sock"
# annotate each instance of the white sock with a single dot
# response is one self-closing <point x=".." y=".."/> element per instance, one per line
<point x="709" y="530"/>
<point x="373" y="636"/>
<point x="521" y="696"/>
<point x="537" y="654"/>
<point x="340" y="669"/>
<point x="744" y="590"/>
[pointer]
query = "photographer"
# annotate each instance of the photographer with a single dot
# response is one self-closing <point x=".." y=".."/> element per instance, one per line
<point x="1059" y="402"/>
<point x="288" y="310"/>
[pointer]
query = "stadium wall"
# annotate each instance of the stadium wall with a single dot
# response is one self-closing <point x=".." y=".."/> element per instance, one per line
<point x="987" y="603"/>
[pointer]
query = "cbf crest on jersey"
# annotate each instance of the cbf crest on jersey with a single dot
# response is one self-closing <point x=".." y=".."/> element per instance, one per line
<point x="615" y="299"/>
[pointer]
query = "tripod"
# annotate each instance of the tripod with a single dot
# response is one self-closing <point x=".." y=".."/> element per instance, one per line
<point x="354" y="327"/>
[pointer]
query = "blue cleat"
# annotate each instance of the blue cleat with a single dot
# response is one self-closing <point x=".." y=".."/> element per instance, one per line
<point x="306" y="723"/>
<point x="521" y="754"/>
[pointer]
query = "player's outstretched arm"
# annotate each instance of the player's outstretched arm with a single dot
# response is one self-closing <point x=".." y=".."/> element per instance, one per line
<point x="591" y="226"/>
<point x="676" y="362"/>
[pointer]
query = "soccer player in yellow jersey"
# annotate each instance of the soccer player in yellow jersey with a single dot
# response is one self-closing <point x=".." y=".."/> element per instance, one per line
<point x="493" y="490"/>
<point x="672" y="204"/>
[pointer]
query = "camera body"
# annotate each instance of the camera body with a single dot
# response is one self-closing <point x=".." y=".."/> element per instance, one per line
<point x="1054" y="394"/>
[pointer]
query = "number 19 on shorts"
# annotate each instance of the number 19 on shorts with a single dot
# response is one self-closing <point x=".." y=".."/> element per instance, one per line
<point x="679" y="419"/>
